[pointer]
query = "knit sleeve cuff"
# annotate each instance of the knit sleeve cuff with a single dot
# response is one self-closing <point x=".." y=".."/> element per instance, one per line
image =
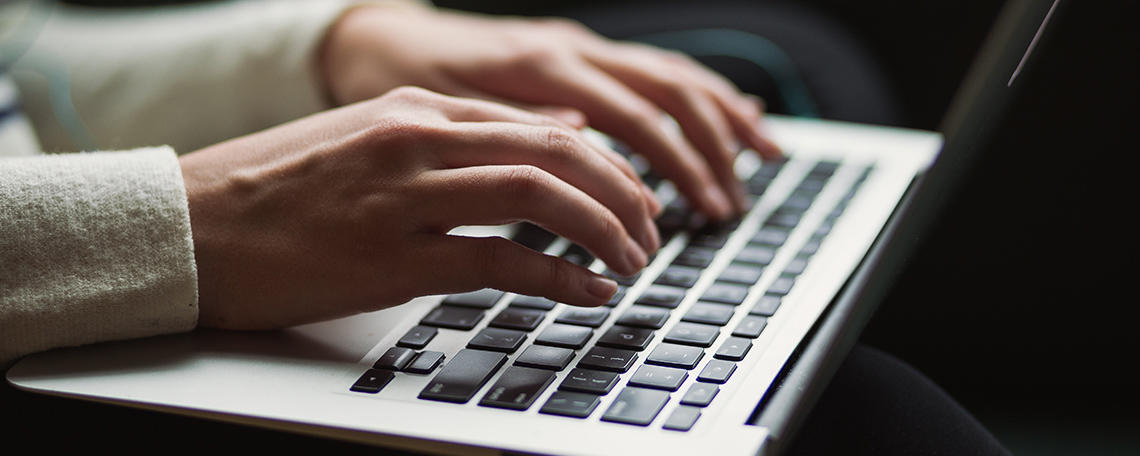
<point x="93" y="247"/>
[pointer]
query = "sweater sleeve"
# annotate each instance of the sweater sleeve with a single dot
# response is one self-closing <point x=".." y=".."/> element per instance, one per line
<point x="186" y="76"/>
<point x="93" y="247"/>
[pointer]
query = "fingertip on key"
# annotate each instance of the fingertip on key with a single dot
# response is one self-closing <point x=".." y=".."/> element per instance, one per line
<point x="601" y="288"/>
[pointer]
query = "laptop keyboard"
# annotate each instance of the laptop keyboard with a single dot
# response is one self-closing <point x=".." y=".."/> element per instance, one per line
<point x="597" y="347"/>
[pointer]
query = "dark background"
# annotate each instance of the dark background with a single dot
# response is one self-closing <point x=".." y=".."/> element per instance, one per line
<point x="1020" y="302"/>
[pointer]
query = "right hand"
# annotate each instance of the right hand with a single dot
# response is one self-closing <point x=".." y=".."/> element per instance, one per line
<point x="348" y="211"/>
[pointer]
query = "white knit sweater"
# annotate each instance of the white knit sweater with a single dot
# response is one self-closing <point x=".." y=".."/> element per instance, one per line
<point x="97" y="246"/>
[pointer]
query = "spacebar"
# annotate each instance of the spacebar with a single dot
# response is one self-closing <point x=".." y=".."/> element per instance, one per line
<point x="462" y="377"/>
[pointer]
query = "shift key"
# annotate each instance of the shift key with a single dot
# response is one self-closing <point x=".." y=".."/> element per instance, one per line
<point x="462" y="377"/>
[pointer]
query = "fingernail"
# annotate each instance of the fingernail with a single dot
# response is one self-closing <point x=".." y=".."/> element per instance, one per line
<point x="635" y="256"/>
<point x="652" y="239"/>
<point x="654" y="205"/>
<point x="739" y="196"/>
<point x="721" y="207"/>
<point x="601" y="287"/>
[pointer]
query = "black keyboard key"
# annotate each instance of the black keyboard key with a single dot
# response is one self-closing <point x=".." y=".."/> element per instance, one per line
<point x="697" y="257"/>
<point x="713" y="239"/>
<point x="592" y="317"/>
<point x="638" y="406"/>
<point x="679" y="276"/>
<point x="712" y="314"/>
<point x="425" y="362"/>
<point x="744" y="274"/>
<point x="578" y="255"/>
<point x="672" y="220"/>
<point x="783" y="219"/>
<point x="717" y="371"/>
<point x="565" y="336"/>
<point x="798" y="202"/>
<point x="810" y="247"/>
<point x="533" y="237"/>
<point x="566" y="403"/>
<point x="396" y="358"/>
<point x="545" y="357"/>
<point x="773" y="237"/>
<point x="697" y="334"/>
<point x="781" y="286"/>
<point x="768" y="170"/>
<point x="700" y="394"/>
<point x="617" y="297"/>
<point x="453" y="317"/>
<point x="725" y="293"/>
<point x="589" y="381"/>
<point x="533" y="302"/>
<point x="372" y="381"/>
<point x="500" y="340"/>
<point x="483" y="299"/>
<point x="750" y="327"/>
<point x="755" y="254"/>
<point x="661" y="296"/>
<point x="463" y="376"/>
<point x="796" y="266"/>
<point x="626" y="337"/>
<point x="825" y="168"/>
<point x="733" y="349"/>
<point x="518" y="318"/>
<point x="417" y="337"/>
<point x="608" y="359"/>
<point x="657" y="377"/>
<point x="682" y="419"/>
<point x="824" y="228"/>
<point x="766" y="306"/>
<point x="517" y="388"/>
<point x="623" y="280"/>
<point x="673" y="355"/>
<point x="644" y="317"/>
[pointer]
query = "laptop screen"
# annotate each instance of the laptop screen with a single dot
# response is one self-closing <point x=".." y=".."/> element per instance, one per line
<point x="976" y="112"/>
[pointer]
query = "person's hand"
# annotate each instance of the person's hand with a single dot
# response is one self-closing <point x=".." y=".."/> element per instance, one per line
<point x="349" y="210"/>
<point x="622" y="89"/>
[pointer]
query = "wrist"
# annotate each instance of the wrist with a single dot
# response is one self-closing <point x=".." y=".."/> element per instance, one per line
<point x="350" y="56"/>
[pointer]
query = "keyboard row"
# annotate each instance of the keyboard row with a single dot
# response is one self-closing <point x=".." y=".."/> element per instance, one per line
<point x="663" y="371"/>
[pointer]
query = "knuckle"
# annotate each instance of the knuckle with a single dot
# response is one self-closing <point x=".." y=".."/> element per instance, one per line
<point x="396" y="135"/>
<point x="611" y="228"/>
<point x="409" y="93"/>
<point x="561" y="143"/>
<point x="524" y="183"/>
<point x="563" y="25"/>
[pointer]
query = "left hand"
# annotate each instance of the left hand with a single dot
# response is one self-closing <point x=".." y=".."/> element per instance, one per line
<point x="622" y="89"/>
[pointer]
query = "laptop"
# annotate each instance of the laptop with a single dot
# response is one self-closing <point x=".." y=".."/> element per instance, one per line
<point x="722" y="344"/>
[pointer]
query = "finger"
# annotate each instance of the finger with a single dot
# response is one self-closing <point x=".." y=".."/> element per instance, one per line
<point x="692" y="106"/>
<point x="747" y="124"/>
<point x="564" y="153"/>
<point x="466" y="263"/>
<point x="495" y="195"/>
<point x="744" y="111"/>
<point x="461" y="109"/>
<point x="571" y="116"/>
<point x="483" y="111"/>
<point x="615" y="109"/>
